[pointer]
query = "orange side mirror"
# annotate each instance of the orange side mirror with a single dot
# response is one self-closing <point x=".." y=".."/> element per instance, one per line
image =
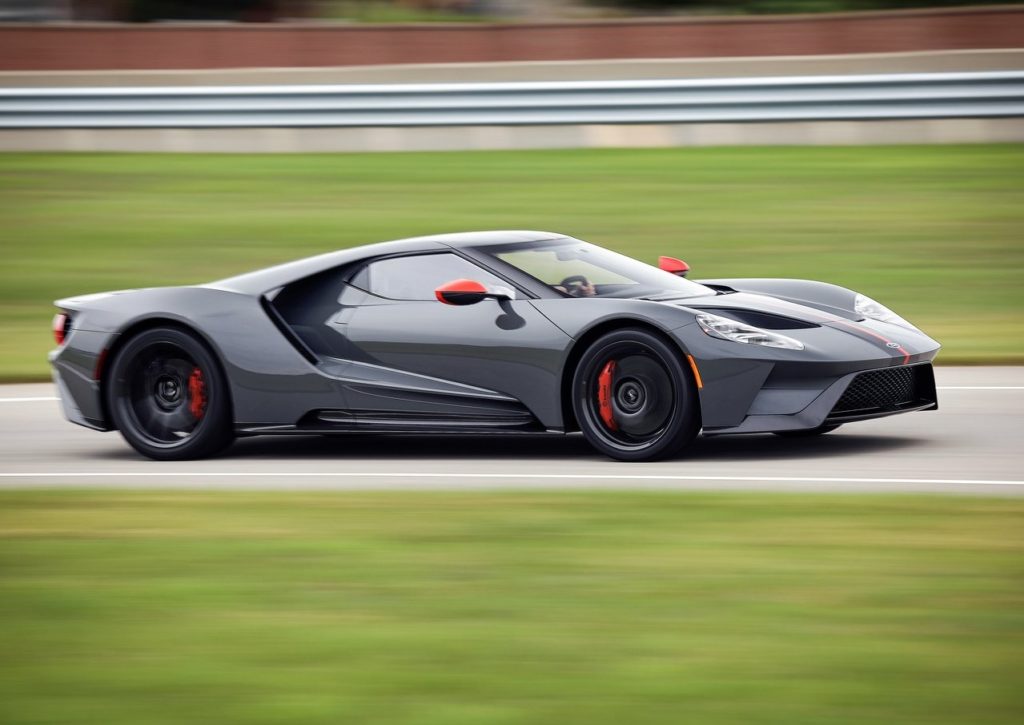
<point x="461" y="292"/>
<point x="673" y="266"/>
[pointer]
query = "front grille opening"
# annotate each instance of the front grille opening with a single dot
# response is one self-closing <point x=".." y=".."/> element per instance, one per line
<point x="884" y="391"/>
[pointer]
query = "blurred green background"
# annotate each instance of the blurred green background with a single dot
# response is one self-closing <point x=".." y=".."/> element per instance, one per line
<point x="418" y="11"/>
<point x="936" y="232"/>
<point x="449" y="608"/>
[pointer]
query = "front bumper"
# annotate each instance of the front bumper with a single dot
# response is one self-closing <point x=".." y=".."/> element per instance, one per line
<point x="862" y="395"/>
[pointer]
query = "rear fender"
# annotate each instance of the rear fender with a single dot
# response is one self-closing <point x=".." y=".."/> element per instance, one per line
<point x="271" y="382"/>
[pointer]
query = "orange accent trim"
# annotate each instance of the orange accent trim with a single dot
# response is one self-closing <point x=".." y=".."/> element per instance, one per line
<point x="101" y="362"/>
<point x="696" y="372"/>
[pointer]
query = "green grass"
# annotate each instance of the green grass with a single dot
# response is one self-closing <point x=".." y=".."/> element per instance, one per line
<point x="389" y="11"/>
<point x="385" y="11"/>
<point x="169" y="607"/>
<point x="937" y="232"/>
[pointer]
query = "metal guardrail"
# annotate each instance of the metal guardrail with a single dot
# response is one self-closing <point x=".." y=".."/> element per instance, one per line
<point x="811" y="98"/>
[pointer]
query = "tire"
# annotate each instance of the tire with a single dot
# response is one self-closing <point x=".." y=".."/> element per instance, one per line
<point x="808" y="433"/>
<point x="168" y="397"/>
<point x="633" y="398"/>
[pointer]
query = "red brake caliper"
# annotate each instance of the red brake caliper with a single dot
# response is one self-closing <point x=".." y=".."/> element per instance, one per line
<point x="604" y="395"/>
<point x="196" y="393"/>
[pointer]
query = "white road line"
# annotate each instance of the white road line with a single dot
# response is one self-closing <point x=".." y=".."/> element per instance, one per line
<point x="981" y="387"/>
<point x="514" y="476"/>
<point x="941" y="387"/>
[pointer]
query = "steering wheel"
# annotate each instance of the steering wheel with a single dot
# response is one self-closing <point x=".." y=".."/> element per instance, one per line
<point x="574" y="284"/>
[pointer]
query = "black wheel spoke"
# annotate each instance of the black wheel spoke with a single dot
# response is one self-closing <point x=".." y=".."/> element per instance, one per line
<point x="180" y="421"/>
<point x="161" y="425"/>
<point x="147" y="416"/>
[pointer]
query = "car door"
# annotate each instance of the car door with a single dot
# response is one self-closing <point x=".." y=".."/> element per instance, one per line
<point x="419" y="357"/>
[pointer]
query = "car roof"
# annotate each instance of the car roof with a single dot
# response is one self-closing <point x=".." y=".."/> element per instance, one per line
<point x="485" y="238"/>
<point x="264" y="280"/>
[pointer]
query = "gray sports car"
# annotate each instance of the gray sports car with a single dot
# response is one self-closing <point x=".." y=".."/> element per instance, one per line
<point x="484" y="332"/>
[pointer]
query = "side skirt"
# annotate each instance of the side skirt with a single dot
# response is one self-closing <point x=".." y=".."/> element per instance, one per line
<point x="342" y="421"/>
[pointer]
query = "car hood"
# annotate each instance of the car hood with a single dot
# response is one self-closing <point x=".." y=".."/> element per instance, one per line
<point x="742" y="301"/>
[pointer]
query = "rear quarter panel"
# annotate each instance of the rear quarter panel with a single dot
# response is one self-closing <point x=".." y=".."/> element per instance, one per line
<point x="270" y="381"/>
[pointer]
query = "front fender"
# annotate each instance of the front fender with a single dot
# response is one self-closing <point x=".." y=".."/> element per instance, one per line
<point x="575" y="316"/>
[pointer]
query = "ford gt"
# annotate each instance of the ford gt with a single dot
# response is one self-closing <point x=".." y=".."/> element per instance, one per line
<point x="484" y="332"/>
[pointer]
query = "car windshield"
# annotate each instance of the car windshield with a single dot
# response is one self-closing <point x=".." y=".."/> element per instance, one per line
<point x="578" y="269"/>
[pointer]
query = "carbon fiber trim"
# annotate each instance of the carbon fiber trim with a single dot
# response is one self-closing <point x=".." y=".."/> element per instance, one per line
<point x="887" y="390"/>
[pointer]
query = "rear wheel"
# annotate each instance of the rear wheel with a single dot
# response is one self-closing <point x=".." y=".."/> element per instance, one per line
<point x="808" y="433"/>
<point x="633" y="398"/>
<point x="168" y="397"/>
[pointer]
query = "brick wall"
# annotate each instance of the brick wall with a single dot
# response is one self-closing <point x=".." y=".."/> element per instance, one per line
<point x="167" y="46"/>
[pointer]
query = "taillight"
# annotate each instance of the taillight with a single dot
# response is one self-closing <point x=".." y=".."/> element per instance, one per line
<point x="61" y="327"/>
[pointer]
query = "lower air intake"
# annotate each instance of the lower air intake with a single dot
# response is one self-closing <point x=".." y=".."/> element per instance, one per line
<point x="885" y="391"/>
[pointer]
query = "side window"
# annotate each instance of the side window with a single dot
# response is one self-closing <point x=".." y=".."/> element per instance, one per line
<point x="416" y="277"/>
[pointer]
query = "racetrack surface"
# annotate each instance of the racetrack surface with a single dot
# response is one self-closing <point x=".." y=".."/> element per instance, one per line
<point x="973" y="444"/>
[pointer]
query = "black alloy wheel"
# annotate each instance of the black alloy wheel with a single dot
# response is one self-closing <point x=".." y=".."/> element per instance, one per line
<point x="168" y="397"/>
<point x="633" y="397"/>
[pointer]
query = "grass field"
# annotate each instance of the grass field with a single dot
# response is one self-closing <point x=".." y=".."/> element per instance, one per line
<point x="936" y="232"/>
<point x="161" y="607"/>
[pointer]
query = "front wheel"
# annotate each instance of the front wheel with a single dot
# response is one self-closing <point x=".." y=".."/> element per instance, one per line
<point x="168" y="397"/>
<point x="633" y="398"/>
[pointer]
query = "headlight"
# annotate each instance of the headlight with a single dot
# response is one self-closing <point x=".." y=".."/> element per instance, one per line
<point x="726" y="329"/>
<point x="867" y="307"/>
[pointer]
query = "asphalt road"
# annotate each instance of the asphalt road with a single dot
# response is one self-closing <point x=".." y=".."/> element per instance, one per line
<point x="974" y="444"/>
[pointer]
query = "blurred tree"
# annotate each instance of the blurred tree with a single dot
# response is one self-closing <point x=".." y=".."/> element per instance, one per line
<point x="241" y="10"/>
<point x="418" y="10"/>
<point x="196" y="10"/>
<point x="726" y="7"/>
<point x="16" y="11"/>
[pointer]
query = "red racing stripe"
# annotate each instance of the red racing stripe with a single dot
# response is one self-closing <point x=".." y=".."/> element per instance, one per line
<point x="872" y="333"/>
